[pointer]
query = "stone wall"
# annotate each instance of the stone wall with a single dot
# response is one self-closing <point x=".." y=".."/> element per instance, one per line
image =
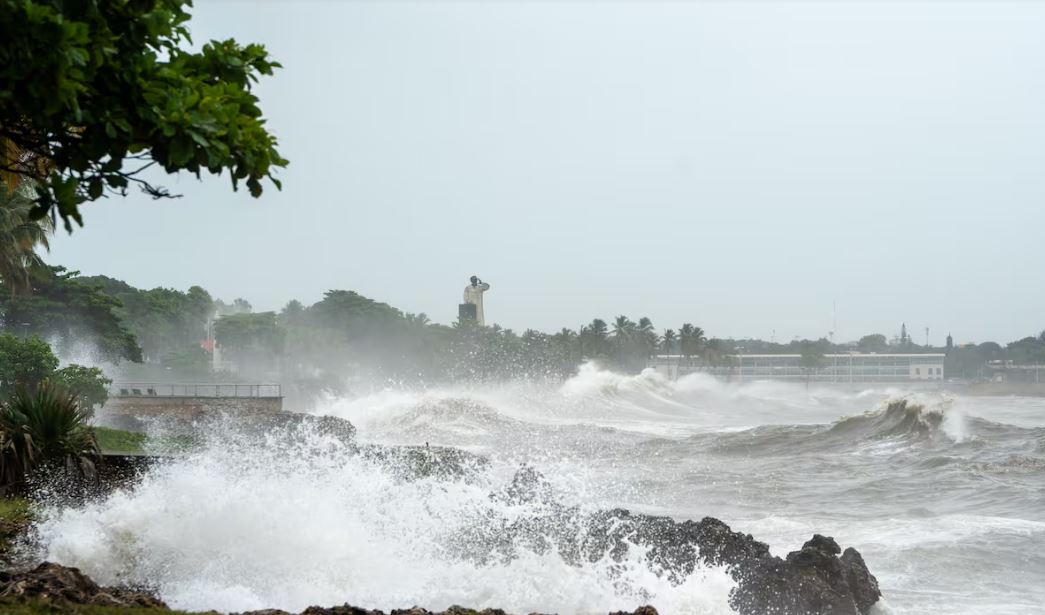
<point x="191" y="408"/>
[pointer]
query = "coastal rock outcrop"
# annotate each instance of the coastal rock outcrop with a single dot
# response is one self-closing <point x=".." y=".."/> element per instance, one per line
<point x="454" y="610"/>
<point x="813" y="579"/>
<point x="57" y="583"/>
<point x="410" y="463"/>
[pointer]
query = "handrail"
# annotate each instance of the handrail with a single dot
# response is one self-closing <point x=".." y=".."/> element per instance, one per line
<point x="152" y="389"/>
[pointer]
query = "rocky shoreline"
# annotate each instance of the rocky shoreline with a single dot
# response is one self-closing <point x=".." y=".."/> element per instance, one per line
<point x="58" y="586"/>
<point x="814" y="580"/>
<point x="817" y="579"/>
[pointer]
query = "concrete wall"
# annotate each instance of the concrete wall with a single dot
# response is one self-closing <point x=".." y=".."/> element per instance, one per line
<point x="191" y="407"/>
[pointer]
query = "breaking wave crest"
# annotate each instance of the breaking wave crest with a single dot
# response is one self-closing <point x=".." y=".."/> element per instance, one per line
<point x="902" y="419"/>
<point x="301" y="519"/>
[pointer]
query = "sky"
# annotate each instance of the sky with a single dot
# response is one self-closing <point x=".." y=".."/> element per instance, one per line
<point x="758" y="169"/>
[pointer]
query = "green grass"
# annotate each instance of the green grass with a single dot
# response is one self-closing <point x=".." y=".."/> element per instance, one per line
<point x="15" y="516"/>
<point x="119" y="441"/>
<point x="13" y="510"/>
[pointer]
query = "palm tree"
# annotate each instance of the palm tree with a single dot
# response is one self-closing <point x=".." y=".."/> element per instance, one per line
<point x="700" y="341"/>
<point x="691" y="340"/>
<point x="624" y="334"/>
<point x="686" y="340"/>
<point x="594" y="338"/>
<point x="647" y="336"/>
<point x="19" y="237"/>
<point x="667" y="342"/>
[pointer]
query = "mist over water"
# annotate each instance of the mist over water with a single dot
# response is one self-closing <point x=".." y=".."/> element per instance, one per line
<point x="945" y="498"/>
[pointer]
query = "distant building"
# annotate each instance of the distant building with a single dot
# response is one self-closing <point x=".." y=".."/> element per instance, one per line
<point x="842" y="368"/>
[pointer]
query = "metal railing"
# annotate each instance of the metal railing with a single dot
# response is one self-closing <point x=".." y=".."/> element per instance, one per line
<point x="152" y="389"/>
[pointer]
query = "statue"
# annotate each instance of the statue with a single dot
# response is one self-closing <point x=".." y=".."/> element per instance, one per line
<point x="473" y="296"/>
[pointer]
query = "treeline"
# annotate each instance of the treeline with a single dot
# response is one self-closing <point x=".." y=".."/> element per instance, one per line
<point x="346" y="333"/>
<point x="158" y="334"/>
<point x="313" y="347"/>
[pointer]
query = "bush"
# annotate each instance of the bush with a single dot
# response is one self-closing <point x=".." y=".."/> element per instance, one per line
<point x="89" y="384"/>
<point x="23" y="362"/>
<point x="44" y="426"/>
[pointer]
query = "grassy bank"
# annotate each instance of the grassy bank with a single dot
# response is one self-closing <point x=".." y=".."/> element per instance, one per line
<point x="14" y="518"/>
<point x="119" y="441"/>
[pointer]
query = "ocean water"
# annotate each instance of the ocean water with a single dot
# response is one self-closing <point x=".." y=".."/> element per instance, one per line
<point x="945" y="498"/>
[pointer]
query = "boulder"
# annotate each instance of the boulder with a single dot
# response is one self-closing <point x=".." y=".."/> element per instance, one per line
<point x="57" y="583"/>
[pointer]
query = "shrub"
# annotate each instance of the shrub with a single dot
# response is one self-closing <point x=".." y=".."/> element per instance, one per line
<point x="89" y="384"/>
<point x="23" y="362"/>
<point x="44" y="426"/>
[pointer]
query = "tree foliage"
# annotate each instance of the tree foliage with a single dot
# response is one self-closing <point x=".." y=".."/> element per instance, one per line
<point x="27" y="362"/>
<point x="874" y="342"/>
<point x="23" y="362"/>
<point x="20" y="239"/>
<point x="92" y="93"/>
<point x="168" y="324"/>
<point x="72" y="313"/>
<point x="88" y="384"/>
<point x="250" y="333"/>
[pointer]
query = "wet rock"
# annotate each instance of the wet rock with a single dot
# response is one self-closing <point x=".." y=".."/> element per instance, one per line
<point x="861" y="582"/>
<point x="58" y="583"/>
<point x="331" y="426"/>
<point x="527" y="487"/>
<point x="813" y="579"/>
<point x="417" y="462"/>
<point x="454" y="610"/>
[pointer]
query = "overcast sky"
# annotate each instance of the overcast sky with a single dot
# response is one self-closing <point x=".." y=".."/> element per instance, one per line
<point x="743" y="166"/>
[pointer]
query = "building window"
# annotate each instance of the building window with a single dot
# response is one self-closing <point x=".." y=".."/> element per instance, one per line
<point x="917" y="371"/>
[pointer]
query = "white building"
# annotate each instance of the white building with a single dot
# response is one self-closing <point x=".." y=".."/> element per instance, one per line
<point x="847" y="367"/>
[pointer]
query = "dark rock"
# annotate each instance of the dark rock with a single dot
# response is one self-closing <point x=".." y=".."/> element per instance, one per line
<point x="331" y="426"/>
<point x="811" y="580"/>
<point x="410" y="463"/>
<point x="527" y="487"/>
<point x="63" y="584"/>
<point x="823" y="543"/>
<point x="861" y="582"/>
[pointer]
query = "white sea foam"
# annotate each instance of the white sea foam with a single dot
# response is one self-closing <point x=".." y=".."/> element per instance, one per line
<point x="925" y="494"/>
<point x="245" y="526"/>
